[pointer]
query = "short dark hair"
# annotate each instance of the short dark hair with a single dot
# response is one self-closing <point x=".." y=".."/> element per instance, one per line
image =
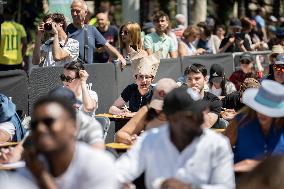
<point x="75" y="66"/>
<point x="64" y="103"/>
<point x="160" y="14"/>
<point x="196" y="68"/>
<point x="58" y="18"/>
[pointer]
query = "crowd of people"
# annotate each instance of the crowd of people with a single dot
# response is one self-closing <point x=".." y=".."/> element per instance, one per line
<point x="174" y="130"/>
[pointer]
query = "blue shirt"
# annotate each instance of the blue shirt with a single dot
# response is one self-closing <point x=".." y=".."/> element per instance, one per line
<point x="95" y="40"/>
<point x="252" y="144"/>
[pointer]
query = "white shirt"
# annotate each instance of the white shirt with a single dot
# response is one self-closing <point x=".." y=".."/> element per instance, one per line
<point x="94" y="96"/>
<point x="89" y="169"/>
<point x="9" y="128"/>
<point x="71" y="46"/>
<point x="215" y="91"/>
<point x="207" y="162"/>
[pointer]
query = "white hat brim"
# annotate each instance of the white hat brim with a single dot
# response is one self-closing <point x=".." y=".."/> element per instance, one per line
<point x="249" y="100"/>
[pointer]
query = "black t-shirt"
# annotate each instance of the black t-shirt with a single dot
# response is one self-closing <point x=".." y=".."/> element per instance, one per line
<point x="214" y="102"/>
<point x="111" y="36"/>
<point x="234" y="47"/>
<point x="136" y="101"/>
<point x="233" y="101"/>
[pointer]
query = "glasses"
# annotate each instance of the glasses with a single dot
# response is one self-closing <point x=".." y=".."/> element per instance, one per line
<point x="65" y="78"/>
<point x="47" y="121"/>
<point x="278" y="68"/>
<point x="142" y="77"/>
<point x="245" y="62"/>
<point x="124" y="32"/>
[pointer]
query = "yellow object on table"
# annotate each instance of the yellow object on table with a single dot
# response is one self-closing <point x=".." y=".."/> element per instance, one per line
<point x="219" y="130"/>
<point x="118" y="146"/>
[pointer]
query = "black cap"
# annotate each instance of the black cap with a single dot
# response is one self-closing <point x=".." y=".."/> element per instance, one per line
<point x="63" y="92"/>
<point x="235" y="23"/>
<point x="183" y="99"/>
<point x="246" y="56"/>
<point x="216" y="73"/>
<point x="280" y="32"/>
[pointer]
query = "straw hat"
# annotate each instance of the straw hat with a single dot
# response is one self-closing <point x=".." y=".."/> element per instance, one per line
<point x="143" y="64"/>
<point x="266" y="100"/>
<point x="276" y="49"/>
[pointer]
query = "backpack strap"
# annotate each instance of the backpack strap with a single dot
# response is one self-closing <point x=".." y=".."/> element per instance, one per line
<point x="86" y="46"/>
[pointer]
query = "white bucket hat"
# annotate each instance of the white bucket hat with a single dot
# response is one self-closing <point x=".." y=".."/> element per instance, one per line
<point x="267" y="100"/>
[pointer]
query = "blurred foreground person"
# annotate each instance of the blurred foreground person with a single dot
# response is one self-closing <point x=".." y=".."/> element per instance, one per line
<point x="180" y="154"/>
<point x="54" y="159"/>
<point x="267" y="175"/>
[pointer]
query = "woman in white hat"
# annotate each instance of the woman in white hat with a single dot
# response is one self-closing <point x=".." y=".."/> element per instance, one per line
<point x="258" y="130"/>
<point x="139" y="93"/>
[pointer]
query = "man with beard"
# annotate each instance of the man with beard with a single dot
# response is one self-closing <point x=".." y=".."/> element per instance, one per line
<point x="196" y="78"/>
<point x="139" y="93"/>
<point x="159" y="40"/>
<point x="53" y="157"/>
<point x="180" y="154"/>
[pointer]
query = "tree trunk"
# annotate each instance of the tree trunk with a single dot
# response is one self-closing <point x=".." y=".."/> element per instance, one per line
<point x="241" y="8"/>
<point x="276" y="8"/>
<point x="198" y="11"/>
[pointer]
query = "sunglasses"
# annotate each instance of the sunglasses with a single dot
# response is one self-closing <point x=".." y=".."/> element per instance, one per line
<point x="65" y="78"/>
<point x="47" y="121"/>
<point x="278" y="68"/>
<point x="245" y="62"/>
<point x="141" y="77"/>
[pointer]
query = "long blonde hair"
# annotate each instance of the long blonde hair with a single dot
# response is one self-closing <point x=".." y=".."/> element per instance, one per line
<point x="134" y="32"/>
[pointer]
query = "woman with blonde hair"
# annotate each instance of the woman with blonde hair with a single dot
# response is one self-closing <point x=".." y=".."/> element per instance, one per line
<point x="130" y="38"/>
<point x="186" y="46"/>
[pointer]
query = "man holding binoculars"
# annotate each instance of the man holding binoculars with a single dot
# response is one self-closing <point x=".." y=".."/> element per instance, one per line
<point x="58" y="49"/>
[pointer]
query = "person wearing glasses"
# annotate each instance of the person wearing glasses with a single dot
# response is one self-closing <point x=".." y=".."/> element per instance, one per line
<point x="130" y="38"/>
<point x="75" y="78"/>
<point x="139" y="93"/>
<point x="247" y="70"/>
<point x="278" y="70"/>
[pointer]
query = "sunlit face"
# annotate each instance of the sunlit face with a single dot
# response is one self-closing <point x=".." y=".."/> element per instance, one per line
<point x="193" y="37"/>
<point x="78" y="13"/>
<point x="52" y="128"/>
<point x="162" y="24"/>
<point x="246" y="66"/>
<point x="102" y="20"/>
<point x="75" y="80"/>
<point x="124" y="34"/>
<point x="278" y="71"/>
<point x="196" y="81"/>
<point x="263" y="119"/>
<point x="144" y="81"/>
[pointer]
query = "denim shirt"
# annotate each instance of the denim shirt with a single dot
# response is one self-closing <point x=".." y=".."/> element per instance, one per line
<point x="8" y="114"/>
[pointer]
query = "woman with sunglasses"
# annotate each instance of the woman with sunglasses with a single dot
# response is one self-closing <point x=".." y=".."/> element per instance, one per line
<point x="130" y="39"/>
<point x="75" y="78"/>
<point x="278" y="70"/>
<point x="247" y="70"/>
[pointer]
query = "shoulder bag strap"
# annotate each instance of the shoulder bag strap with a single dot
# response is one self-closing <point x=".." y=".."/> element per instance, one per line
<point x="86" y="47"/>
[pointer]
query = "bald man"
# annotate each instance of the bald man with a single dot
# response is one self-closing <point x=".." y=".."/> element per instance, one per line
<point x="109" y="32"/>
<point x="88" y="36"/>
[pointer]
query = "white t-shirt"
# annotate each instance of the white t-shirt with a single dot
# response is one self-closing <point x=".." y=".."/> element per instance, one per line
<point x="216" y="92"/>
<point x="71" y="46"/>
<point x="89" y="169"/>
<point x="9" y="128"/>
<point x="93" y="96"/>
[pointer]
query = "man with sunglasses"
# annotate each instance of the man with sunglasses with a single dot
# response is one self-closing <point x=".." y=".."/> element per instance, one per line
<point x="247" y="70"/>
<point x="54" y="159"/>
<point x="278" y="70"/>
<point x="180" y="154"/>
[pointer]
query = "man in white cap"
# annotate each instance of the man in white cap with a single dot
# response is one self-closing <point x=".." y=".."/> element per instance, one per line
<point x="180" y="154"/>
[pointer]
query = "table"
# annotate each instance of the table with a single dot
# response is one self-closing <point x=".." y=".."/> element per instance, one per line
<point x="8" y="144"/>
